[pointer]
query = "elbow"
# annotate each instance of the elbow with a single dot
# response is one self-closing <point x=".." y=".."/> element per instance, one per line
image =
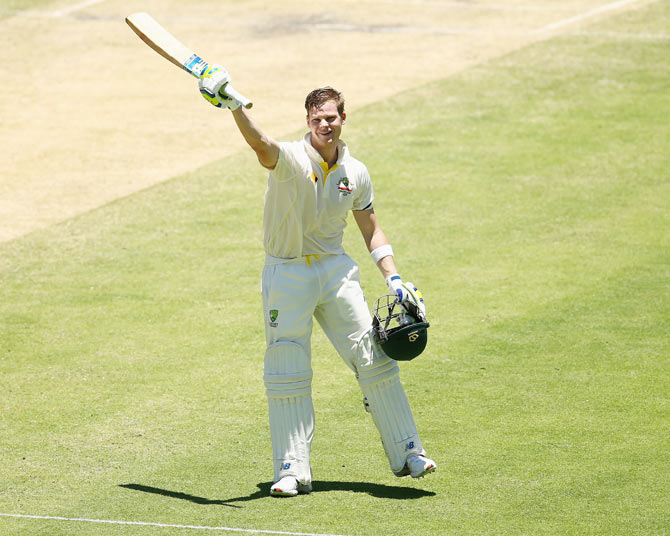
<point x="260" y="144"/>
<point x="267" y="153"/>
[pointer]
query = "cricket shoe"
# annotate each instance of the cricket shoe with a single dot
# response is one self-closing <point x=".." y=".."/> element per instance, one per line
<point x="417" y="466"/>
<point x="289" y="487"/>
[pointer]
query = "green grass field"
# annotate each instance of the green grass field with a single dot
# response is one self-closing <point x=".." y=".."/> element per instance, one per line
<point x="528" y="198"/>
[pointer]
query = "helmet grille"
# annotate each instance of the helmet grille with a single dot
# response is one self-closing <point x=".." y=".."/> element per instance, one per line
<point x="400" y="329"/>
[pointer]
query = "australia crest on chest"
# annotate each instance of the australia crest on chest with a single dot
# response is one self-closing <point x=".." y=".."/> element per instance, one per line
<point x="343" y="186"/>
<point x="334" y="184"/>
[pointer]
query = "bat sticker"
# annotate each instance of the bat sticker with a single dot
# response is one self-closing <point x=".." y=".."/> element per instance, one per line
<point x="195" y="65"/>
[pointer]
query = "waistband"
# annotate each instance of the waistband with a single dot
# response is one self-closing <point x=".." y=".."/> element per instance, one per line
<point x="306" y="259"/>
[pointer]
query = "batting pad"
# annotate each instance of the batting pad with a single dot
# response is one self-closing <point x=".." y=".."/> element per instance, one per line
<point x="386" y="400"/>
<point x="288" y="385"/>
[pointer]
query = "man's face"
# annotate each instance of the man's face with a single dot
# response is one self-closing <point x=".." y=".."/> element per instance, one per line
<point x="325" y="124"/>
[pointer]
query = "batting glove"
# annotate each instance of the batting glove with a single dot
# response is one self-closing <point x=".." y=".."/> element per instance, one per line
<point x="212" y="84"/>
<point x="405" y="291"/>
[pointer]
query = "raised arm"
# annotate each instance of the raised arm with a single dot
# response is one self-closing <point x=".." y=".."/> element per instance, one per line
<point x="266" y="148"/>
<point x="212" y="86"/>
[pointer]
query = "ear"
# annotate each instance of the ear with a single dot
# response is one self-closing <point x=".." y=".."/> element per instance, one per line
<point x="344" y="117"/>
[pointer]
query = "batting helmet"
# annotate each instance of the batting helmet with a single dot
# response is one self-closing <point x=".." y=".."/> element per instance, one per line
<point x="401" y="330"/>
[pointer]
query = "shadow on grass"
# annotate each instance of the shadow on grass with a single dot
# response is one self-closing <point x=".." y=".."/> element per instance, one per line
<point x="183" y="496"/>
<point x="380" y="491"/>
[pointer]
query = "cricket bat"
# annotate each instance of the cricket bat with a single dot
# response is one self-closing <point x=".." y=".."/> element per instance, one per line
<point x="168" y="46"/>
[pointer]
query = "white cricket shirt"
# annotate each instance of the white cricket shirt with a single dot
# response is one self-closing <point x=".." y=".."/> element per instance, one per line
<point x="306" y="204"/>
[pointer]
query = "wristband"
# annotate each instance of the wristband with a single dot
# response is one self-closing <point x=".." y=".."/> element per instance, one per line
<point x="379" y="253"/>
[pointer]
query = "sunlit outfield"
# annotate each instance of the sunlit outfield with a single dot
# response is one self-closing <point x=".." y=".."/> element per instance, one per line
<point x="11" y="7"/>
<point x="528" y="198"/>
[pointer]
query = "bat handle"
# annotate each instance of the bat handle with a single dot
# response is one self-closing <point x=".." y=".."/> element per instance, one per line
<point x="230" y="90"/>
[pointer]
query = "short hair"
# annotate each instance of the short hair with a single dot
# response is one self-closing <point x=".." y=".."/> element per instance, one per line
<point x="319" y="97"/>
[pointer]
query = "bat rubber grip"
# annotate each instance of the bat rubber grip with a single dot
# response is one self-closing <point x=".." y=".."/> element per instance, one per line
<point x="230" y="90"/>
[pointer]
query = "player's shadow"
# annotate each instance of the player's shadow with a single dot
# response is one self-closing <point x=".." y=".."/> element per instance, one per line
<point x="186" y="496"/>
<point x="381" y="491"/>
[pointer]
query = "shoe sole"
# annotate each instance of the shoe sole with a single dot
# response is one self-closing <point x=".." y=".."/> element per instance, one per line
<point x="290" y="493"/>
<point x="425" y="471"/>
<point x="280" y="493"/>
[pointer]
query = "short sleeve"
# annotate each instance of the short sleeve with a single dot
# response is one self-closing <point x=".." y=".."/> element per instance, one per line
<point x="364" y="192"/>
<point x="287" y="163"/>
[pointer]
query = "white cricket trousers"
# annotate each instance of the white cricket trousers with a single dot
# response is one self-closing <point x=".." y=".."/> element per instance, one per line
<point x="326" y="288"/>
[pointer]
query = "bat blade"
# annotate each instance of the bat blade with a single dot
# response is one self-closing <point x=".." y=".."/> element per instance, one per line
<point x="173" y="50"/>
<point x="162" y="41"/>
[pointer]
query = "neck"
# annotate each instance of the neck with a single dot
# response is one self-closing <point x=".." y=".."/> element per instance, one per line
<point x="327" y="152"/>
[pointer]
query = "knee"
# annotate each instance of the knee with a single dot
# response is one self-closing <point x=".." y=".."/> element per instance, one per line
<point x="287" y="371"/>
<point x="373" y="366"/>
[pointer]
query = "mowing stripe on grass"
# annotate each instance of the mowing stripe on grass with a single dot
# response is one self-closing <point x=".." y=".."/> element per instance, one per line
<point x="75" y="7"/>
<point x="164" y="525"/>
<point x="470" y="6"/>
<point x="583" y="16"/>
<point x="640" y="36"/>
